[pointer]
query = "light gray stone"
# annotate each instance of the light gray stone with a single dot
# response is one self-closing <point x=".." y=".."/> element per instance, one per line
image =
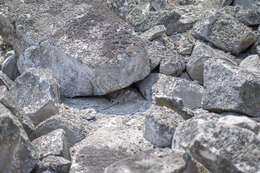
<point x="16" y="152"/>
<point x="229" y="88"/>
<point x="155" y="161"/>
<point x="172" y="64"/>
<point x="9" y="66"/>
<point x="54" y="163"/>
<point x="155" y="53"/>
<point x="219" y="146"/>
<point x="201" y="53"/>
<point x="57" y="35"/>
<point x="224" y="31"/>
<point x="247" y="3"/>
<point x="160" y="124"/>
<point x="158" y="85"/>
<point x="34" y="94"/>
<point x="5" y="80"/>
<point x="251" y="63"/>
<point x="74" y="132"/>
<point x="153" y="33"/>
<point x="247" y="16"/>
<point x="53" y="143"/>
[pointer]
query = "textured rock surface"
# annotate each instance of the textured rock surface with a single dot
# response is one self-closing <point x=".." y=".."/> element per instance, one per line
<point x="153" y="33"/>
<point x="230" y="88"/>
<point x="201" y="53"/>
<point x="160" y="85"/>
<point x="5" y="80"/>
<point x="54" y="143"/>
<point x="219" y="146"/>
<point x="160" y="124"/>
<point x="16" y="152"/>
<point x="74" y="132"/>
<point x="34" y="94"/>
<point x="9" y="65"/>
<point x="53" y="163"/>
<point x="224" y="31"/>
<point x="164" y="161"/>
<point x="251" y="63"/>
<point x="56" y="35"/>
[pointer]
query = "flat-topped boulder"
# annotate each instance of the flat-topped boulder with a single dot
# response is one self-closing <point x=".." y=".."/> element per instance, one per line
<point x="88" y="48"/>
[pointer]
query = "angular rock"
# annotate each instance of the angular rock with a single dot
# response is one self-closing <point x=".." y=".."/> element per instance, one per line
<point x="54" y="163"/>
<point x="183" y="43"/>
<point x="201" y="53"/>
<point x="155" y="53"/>
<point x="251" y="63"/>
<point x="229" y="88"/>
<point x="247" y="3"/>
<point x="164" y="161"/>
<point x="160" y="124"/>
<point x="5" y="80"/>
<point x="73" y="133"/>
<point x="247" y="16"/>
<point x="219" y="146"/>
<point x="143" y="21"/>
<point x="158" y="4"/>
<point x="223" y="3"/>
<point x="54" y="143"/>
<point x="16" y="152"/>
<point x="160" y="85"/>
<point x="224" y="31"/>
<point x="9" y="66"/>
<point x="34" y="94"/>
<point x="153" y="33"/>
<point x="172" y="64"/>
<point x="56" y="35"/>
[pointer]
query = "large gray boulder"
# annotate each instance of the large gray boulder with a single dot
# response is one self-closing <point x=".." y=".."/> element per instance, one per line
<point x="220" y="145"/>
<point x="155" y="161"/>
<point x="229" y="88"/>
<point x="16" y="152"/>
<point x="201" y="53"/>
<point x="57" y="35"/>
<point x="35" y="94"/>
<point x="224" y="31"/>
<point x="160" y="124"/>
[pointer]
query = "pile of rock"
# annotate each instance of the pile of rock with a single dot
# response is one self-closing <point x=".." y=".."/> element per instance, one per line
<point x="189" y="69"/>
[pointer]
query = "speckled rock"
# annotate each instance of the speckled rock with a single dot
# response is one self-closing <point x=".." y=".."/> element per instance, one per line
<point x="221" y="146"/>
<point x="53" y="163"/>
<point x="74" y="133"/>
<point x="56" y="35"/>
<point x="251" y="63"/>
<point x="53" y="143"/>
<point x="229" y="88"/>
<point x="160" y="124"/>
<point x="16" y="152"/>
<point x="153" y="33"/>
<point x="201" y="53"/>
<point x="157" y="161"/>
<point x="5" y="80"/>
<point x="157" y="85"/>
<point x="224" y="31"/>
<point x="34" y="94"/>
<point x="9" y="65"/>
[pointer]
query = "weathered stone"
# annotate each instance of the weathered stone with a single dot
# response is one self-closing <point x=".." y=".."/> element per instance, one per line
<point x="27" y="125"/>
<point x="9" y="66"/>
<point x="16" y="152"/>
<point x="57" y="35"/>
<point x="158" y="4"/>
<point x="53" y="163"/>
<point x="34" y="94"/>
<point x="172" y="64"/>
<point x="155" y="53"/>
<point x="219" y="146"/>
<point x="163" y="161"/>
<point x="73" y="133"/>
<point x="158" y="85"/>
<point x="224" y="31"/>
<point x="251" y="63"/>
<point x="223" y="3"/>
<point x="143" y="21"/>
<point x="201" y="53"/>
<point x="229" y="88"/>
<point x="183" y="44"/>
<point x="153" y="33"/>
<point x="250" y="17"/>
<point x="247" y="3"/>
<point x="53" y="143"/>
<point x="160" y="124"/>
<point x="5" y="80"/>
